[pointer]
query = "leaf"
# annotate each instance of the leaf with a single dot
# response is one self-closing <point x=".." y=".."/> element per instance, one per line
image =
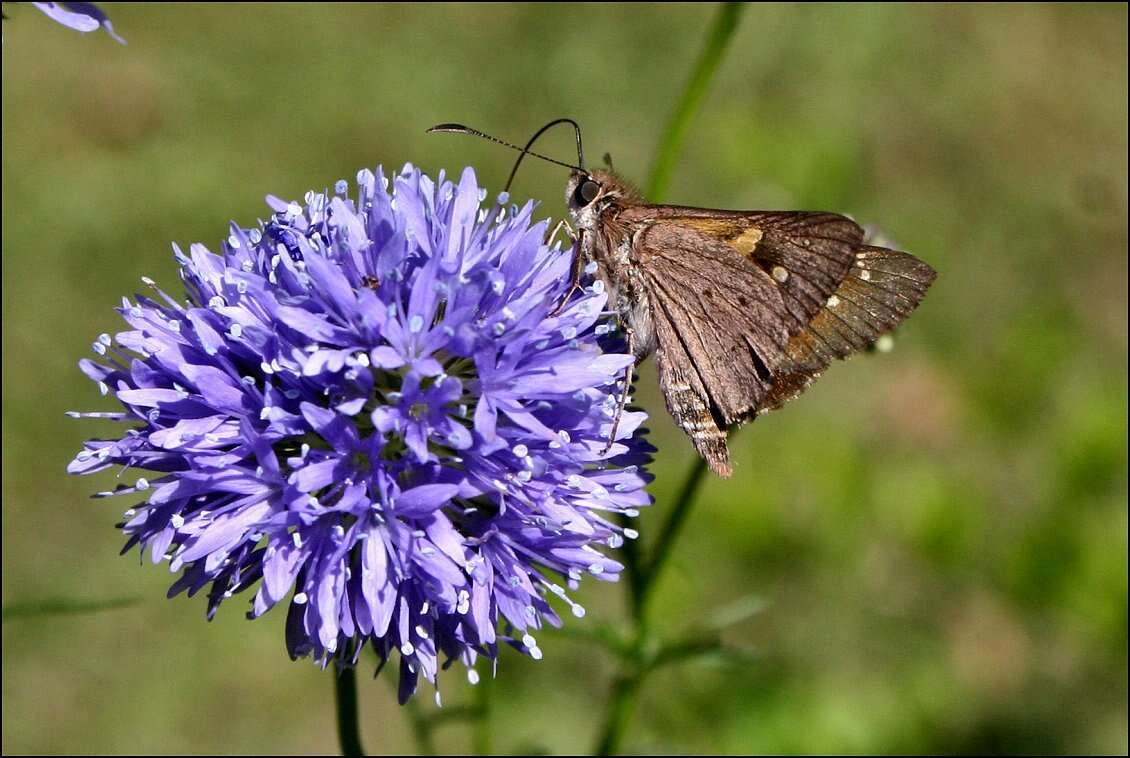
<point x="702" y="650"/>
<point x="736" y="612"/>
<point x="604" y="635"/>
<point x="455" y="713"/>
<point x="63" y="606"/>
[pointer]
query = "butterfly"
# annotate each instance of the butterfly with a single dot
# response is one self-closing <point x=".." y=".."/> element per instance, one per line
<point x="742" y="309"/>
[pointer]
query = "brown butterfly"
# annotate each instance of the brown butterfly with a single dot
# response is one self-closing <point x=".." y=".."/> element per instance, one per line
<point x="743" y="309"/>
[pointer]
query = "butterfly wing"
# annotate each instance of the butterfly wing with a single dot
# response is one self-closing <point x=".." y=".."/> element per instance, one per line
<point x="881" y="288"/>
<point x="687" y="398"/>
<point x="806" y="254"/>
<point x="749" y="308"/>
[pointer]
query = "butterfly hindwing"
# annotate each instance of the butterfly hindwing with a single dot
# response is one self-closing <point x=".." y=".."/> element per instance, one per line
<point x="881" y="289"/>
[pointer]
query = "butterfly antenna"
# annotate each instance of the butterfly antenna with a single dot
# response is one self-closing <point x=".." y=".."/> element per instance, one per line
<point x="461" y="129"/>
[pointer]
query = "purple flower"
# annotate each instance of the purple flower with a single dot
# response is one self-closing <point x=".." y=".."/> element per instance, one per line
<point x="367" y="403"/>
<point x="83" y="17"/>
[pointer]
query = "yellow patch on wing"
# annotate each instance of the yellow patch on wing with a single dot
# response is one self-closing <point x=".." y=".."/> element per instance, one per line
<point x="736" y="232"/>
<point x="746" y="242"/>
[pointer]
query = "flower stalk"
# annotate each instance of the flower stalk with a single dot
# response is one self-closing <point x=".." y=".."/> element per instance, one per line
<point x="348" y="724"/>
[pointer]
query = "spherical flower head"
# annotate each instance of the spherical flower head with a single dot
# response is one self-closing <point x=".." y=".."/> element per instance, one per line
<point x="370" y="406"/>
<point x="83" y="17"/>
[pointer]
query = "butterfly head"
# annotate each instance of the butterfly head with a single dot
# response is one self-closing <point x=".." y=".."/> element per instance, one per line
<point x="590" y="193"/>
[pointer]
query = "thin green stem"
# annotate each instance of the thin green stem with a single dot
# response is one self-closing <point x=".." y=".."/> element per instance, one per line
<point x="481" y="725"/>
<point x="348" y="727"/>
<point x="625" y="694"/>
<point x="724" y="25"/>
<point x="634" y="569"/>
<point x="671" y="528"/>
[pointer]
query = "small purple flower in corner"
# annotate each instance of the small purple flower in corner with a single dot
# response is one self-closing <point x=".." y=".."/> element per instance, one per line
<point x="83" y="17"/>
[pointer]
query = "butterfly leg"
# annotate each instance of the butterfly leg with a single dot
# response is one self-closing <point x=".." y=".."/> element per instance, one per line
<point x="577" y="271"/>
<point x="629" y="373"/>
<point x="562" y="224"/>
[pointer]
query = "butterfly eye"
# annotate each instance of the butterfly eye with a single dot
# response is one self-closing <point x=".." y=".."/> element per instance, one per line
<point x="586" y="192"/>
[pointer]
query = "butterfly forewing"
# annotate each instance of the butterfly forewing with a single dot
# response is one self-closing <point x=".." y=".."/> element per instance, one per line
<point x="806" y="254"/>
<point x="685" y="392"/>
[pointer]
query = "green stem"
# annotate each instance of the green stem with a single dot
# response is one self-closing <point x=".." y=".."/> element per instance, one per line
<point x="634" y="570"/>
<point x="625" y="693"/>
<point x="671" y="528"/>
<point x="480" y="727"/>
<point x="724" y="25"/>
<point x="348" y="728"/>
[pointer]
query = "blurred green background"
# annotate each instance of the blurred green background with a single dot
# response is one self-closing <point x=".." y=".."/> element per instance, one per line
<point x="939" y="534"/>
